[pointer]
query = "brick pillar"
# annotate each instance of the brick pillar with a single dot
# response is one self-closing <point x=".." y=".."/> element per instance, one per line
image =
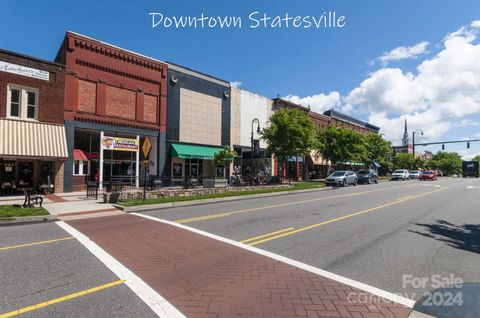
<point x="59" y="175"/>
<point x="101" y="98"/>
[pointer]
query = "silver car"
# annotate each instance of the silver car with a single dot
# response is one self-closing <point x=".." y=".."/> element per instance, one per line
<point x="341" y="179"/>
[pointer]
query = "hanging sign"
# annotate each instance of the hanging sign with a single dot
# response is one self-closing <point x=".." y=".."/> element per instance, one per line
<point x="23" y="70"/>
<point x="120" y="144"/>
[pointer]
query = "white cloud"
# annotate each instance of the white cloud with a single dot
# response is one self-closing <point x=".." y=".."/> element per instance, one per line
<point x="475" y="24"/>
<point x="437" y="97"/>
<point x="403" y="53"/>
<point x="235" y="84"/>
<point x="319" y="102"/>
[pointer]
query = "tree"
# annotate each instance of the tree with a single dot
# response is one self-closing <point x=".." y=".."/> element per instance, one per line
<point x="476" y="158"/>
<point x="407" y="161"/>
<point x="290" y="133"/>
<point x="447" y="162"/>
<point x="338" y="144"/>
<point x="378" y="150"/>
<point x="224" y="157"/>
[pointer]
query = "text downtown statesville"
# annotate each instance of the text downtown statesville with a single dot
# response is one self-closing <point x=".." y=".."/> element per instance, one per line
<point x="254" y="20"/>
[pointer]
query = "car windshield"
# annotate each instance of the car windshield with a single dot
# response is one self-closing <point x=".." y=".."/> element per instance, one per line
<point x="398" y="171"/>
<point x="362" y="172"/>
<point x="414" y="172"/>
<point x="338" y="173"/>
<point x="428" y="172"/>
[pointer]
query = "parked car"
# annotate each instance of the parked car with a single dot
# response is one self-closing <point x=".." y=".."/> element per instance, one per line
<point x="341" y="179"/>
<point x="414" y="174"/>
<point x="429" y="175"/>
<point x="366" y="176"/>
<point x="400" y="174"/>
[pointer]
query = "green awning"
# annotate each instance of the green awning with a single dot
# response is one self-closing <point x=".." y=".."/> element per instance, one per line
<point x="194" y="152"/>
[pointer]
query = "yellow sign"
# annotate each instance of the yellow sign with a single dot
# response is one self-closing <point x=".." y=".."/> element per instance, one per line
<point x="120" y="144"/>
<point x="147" y="146"/>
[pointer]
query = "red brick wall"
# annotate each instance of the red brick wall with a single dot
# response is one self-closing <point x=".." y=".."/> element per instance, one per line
<point x="79" y="183"/>
<point x="120" y="102"/>
<point x="127" y="84"/>
<point x="51" y="93"/>
<point x="87" y="95"/>
<point x="150" y="108"/>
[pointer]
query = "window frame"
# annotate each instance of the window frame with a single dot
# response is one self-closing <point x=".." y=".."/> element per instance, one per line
<point x="23" y="102"/>
<point x="83" y="167"/>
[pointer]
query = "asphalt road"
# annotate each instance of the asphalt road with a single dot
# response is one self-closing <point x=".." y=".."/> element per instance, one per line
<point x="382" y="235"/>
<point x="57" y="266"/>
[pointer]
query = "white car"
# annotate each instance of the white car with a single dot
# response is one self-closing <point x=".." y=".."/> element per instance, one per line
<point x="400" y="174"/>
<point x="415" y="174"/>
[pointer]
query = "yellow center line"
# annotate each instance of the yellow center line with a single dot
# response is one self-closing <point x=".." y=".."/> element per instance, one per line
<point x="342" y="218"/>
<point x="265" y="235"/>
<point x="37" y="243"/>
<point x="60" y="299"/>
<point x="224" y="214"/>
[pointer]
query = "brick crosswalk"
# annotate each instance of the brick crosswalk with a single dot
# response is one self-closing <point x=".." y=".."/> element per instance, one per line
<point x="204" y="277"/>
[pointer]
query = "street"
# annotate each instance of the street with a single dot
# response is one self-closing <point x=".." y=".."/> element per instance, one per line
<point x="384" y="235"/>
<point x="371" y="233"/>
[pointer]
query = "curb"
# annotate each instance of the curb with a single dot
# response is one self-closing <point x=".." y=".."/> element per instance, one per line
<point x="27" y="220"/>
<point x="160" y="206"/>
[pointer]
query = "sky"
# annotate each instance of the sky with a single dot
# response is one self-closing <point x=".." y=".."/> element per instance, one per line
<point x="392" y="60"/>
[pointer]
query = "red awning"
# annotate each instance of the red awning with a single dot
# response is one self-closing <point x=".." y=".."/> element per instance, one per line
<point x="79" y="155"/>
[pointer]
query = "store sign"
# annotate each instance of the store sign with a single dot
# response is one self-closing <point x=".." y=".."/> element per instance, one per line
<point x="120" y="144"/>
<point x="23" y="70"/>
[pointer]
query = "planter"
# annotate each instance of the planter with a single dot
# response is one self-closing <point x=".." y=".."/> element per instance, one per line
<point x="215" y="183"/>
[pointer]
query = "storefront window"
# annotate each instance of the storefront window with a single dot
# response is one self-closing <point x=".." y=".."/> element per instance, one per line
<point x="80" y="167"/>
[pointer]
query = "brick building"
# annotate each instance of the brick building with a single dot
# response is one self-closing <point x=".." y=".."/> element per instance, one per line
<point x="32" y="135"/>
<point x="114" y="100"/>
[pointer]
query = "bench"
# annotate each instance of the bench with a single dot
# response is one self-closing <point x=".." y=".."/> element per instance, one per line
<point x="31" y="198"/>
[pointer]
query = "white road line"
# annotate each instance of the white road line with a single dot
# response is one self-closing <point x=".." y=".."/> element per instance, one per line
<point x="347" y="281"/>
<point x="472" y="187"/>
<point x="157" y="303"/>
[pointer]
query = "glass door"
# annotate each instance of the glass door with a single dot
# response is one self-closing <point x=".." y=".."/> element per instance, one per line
<point x="25" y="175"/>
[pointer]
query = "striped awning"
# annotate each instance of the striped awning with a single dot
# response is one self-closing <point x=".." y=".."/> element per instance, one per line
<point x="31" y="139"/>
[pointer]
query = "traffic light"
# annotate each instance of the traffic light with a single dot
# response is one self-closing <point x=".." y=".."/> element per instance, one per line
<point x="468" y="145"/>
<point x="443" y="147"/>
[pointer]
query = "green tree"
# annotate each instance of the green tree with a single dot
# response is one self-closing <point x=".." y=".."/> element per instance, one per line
<point x="407" y="161"/>
<point x="378" y="150"/>
<point x="476" y="158"/>
<point x="290" y="133"/>
<point x="338" y="144"/>
<point x="224" y="157"/>
<point x="447" y="162"/>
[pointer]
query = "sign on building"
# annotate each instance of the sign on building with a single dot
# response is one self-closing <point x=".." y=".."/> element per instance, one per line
<point x="24" y="71"/>
<point x="120" y="144"/>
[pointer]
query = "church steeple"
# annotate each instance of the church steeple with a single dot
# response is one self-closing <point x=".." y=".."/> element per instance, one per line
<point x="405" y="135"/>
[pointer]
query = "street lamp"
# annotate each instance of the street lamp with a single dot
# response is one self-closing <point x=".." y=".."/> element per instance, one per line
<point x="413" y="140"/>
<point x="252" y="141"/>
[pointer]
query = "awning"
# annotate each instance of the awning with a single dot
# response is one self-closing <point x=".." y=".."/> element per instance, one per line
<point x="79" y="155"/>
<point x="316" y="158"/>
<point x="194" y="152"/>
<point x="32" y="139"/>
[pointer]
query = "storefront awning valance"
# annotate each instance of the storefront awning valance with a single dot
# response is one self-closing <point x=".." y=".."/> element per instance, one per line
<point x="32" y="139"/>
<point x="79" y="155"/>
<point x="194" y="152"/>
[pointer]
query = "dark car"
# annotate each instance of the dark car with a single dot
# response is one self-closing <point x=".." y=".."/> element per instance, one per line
<point x="365" y="176"/>
<point x="429" y="175"/>
<point x="341" y="179"/>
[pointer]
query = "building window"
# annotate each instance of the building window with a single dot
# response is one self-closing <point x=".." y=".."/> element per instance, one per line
<point x="22" y="102"/>
<point x="80" y="168"/>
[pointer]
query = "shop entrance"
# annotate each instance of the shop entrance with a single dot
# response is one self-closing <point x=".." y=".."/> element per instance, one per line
<point x="194" y="169"/>
<point x="25" y="175"/>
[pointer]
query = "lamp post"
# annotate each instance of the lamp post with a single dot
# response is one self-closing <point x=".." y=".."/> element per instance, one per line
<point x="252" y="141"/>
<point x="413" y="140"/>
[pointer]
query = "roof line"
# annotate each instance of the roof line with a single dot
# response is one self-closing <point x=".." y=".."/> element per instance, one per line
<point x="31" y="57"/>
<point x="117" y="47"/>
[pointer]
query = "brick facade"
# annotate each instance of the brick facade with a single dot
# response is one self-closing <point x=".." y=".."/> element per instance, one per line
<point x="51" y="92"/>
<point x="109" y="85"/>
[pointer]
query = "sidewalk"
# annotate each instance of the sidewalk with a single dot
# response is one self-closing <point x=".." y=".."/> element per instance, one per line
<point x="204" y="277"/>
<point x="68" y="206"/>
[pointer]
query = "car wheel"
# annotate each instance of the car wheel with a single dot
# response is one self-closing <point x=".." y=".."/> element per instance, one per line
<point x="355" y="182"/>
<point x="376" y="180"/>
<point x="344" y="182"/>
<point x="369" y="181"/>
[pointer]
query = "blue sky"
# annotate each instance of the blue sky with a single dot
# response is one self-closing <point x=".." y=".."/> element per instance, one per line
<point x="326" y="65"/>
